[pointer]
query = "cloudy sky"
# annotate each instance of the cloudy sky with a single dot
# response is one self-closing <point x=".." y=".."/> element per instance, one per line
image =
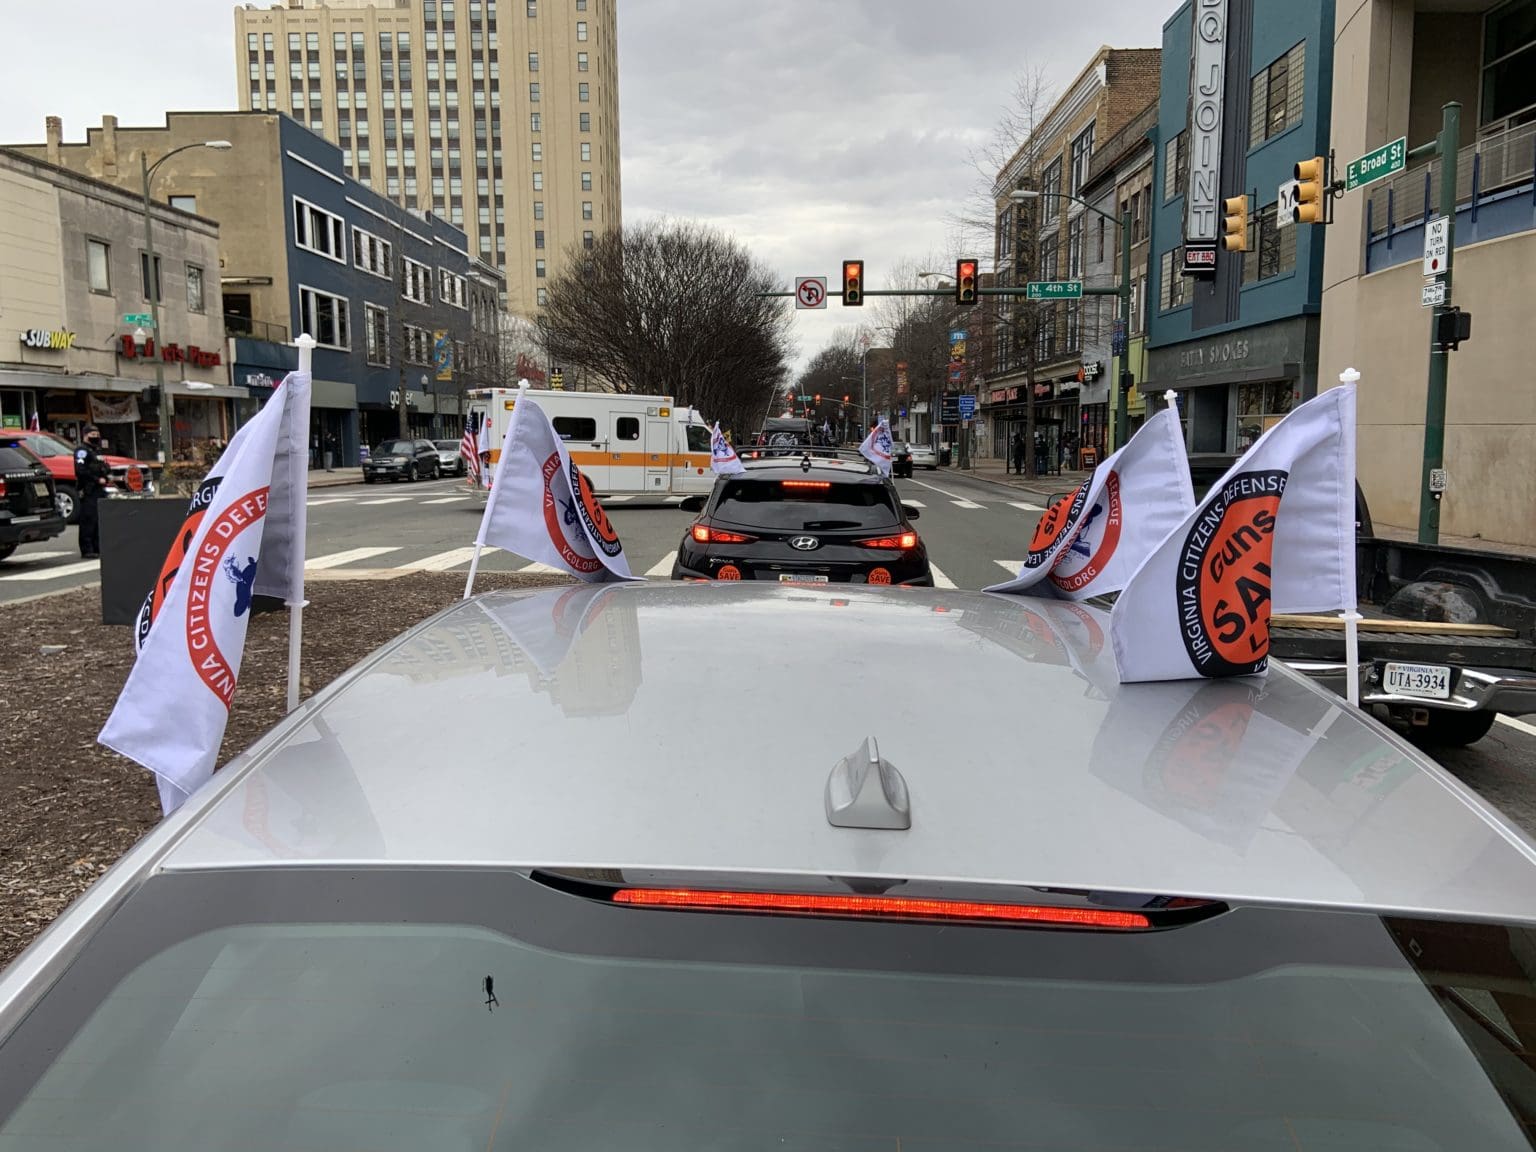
<point x="813" y="130"/>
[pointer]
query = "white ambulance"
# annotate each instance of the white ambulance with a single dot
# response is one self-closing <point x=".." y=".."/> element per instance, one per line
<point x="624" y="444"/>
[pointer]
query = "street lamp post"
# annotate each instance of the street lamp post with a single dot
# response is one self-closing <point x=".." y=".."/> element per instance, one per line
<point x="1123" y="291"/>
<point x="152" y="286"/>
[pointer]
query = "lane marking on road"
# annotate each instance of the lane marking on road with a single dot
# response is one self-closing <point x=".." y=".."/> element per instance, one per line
<point x="446" y="500"/>
<point x="954" y="496"/>
<point x="26" y="557"/>
<point x="537" y="569"/>
<point x="967" y="504"/>
<point x="1025" y="506"/>
<point x="446" y="560"/>
<point x="914" y="504"/>
<point x="328" y="500"/>
<point x="385" y="500"/>
<point x="617" y="499"/>
<point x="676" y="499"/>
<point x="1517" y="725"/>
<point x="1010" y="566"/>
<point x="662" y="568"/>
<point x="939" y="579"/>
<point x="337" y="559"/>
<point x="55" y="573"/>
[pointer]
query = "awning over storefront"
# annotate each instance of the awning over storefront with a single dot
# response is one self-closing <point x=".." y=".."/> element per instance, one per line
<point x="199" y="391"/>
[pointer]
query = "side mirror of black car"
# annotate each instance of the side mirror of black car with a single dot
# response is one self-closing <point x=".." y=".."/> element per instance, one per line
<point x="692" y="504"/>
<point x="909" y="512"/>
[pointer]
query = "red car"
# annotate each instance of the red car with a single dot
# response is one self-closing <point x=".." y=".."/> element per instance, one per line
<point x="133" y="477"/>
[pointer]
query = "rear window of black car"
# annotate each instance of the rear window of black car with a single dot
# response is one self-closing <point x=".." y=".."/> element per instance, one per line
<point x="794" y="503"/>
<point x="13" y="457"/>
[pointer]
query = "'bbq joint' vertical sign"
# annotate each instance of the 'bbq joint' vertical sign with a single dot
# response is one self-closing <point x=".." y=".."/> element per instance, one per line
<point x="1207" y="78"/>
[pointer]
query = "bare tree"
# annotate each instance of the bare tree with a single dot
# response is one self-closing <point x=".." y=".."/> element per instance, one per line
<point x="674" y="309"/>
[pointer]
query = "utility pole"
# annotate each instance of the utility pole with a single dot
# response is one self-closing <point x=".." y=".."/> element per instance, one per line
<point x="1123" y="383"/>
<point x="1445" y="147"/>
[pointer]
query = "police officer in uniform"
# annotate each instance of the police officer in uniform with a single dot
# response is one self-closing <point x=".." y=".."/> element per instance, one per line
<point x="91" y="474"/>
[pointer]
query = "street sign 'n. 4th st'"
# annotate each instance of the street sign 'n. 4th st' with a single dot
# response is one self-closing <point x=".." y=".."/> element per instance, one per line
<point x="1054" y="290"/>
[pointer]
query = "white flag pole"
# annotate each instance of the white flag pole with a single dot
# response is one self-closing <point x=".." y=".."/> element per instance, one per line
<point x="1352" y="617"/>
<point x="1171" y="398"/>
<point x="296" y="601"/>
<point x="490" y="501"/>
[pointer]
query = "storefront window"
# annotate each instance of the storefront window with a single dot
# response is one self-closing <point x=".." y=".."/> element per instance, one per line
<point x="1259" y="407"/>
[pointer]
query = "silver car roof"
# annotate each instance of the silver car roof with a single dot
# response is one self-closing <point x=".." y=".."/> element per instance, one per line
<point x="694" y="727"/>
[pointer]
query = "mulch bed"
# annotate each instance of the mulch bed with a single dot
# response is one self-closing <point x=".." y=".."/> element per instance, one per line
<point x="69" y="807"/>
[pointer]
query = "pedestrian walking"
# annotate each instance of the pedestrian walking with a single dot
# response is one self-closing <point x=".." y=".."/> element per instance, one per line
<point x="91" y="475"/>
<point x="330" y="451"/>
<point x="1018" y="452"/>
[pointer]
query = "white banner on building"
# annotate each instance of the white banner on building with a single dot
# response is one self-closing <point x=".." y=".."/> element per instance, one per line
<point x="114" y="409"/>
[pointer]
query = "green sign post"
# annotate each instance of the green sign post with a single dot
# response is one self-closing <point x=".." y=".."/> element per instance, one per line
<point x="1379" y="162"/>
<point x="1054" y="290"/>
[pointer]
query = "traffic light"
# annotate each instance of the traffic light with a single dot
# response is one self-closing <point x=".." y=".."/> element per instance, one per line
<point x="818" y="397"/>
<point x="845" y="397"/>
<point x="853" y="283"/>
<point x="965" y="282"/>
<point x="1234" y="223"/>
<point x="1312" y="187"/>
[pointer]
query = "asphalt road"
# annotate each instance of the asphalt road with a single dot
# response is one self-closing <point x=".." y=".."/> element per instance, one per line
<point x="975" y="532"/>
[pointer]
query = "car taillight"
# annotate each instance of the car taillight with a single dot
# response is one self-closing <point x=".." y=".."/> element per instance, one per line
<point x="903" y="542"/>
<point x="704" y="534"/>
<point x="878" y="907"/>
<point x="806" y="483"/>
<point x="2" y="487"/>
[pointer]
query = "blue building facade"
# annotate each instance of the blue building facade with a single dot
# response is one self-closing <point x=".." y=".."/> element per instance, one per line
<point x="1236" y="333"/>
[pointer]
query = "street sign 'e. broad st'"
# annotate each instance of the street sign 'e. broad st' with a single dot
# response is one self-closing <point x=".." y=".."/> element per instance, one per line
<point x="1377" y="163"/>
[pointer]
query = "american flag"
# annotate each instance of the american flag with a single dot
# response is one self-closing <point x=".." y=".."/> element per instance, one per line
<point x="469" y="446"/>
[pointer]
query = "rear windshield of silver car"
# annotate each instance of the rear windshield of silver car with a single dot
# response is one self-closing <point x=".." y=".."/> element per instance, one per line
<point x="406" y="1010"/>
<point x="795" y="503"/>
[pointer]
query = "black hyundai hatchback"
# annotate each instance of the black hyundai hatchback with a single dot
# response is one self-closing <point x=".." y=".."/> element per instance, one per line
<point x="809" y="519"/>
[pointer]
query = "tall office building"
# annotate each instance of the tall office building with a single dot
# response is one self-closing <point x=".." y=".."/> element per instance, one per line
<point x="505" y="123"/>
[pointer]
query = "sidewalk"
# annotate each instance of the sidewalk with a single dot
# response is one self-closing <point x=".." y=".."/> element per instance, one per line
<point x="996" y="472"/>
<point x="320" y="478"/>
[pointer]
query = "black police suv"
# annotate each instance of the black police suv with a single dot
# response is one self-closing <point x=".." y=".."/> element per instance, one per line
<point x="27" y="509"/>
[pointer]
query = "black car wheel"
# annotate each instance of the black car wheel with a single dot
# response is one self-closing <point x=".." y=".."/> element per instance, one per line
<point x="410" y="473"/>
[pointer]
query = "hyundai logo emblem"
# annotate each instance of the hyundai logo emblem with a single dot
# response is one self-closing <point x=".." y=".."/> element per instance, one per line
<point x="804" y="543"/>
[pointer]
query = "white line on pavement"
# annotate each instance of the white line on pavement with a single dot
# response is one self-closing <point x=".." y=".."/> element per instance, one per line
<point x="386" y="500"/>
<point x="663" y="567"/>
<point x="955" y="496"/>
<point x="1517" y="725"/>
<point x="676" y="499"/>
<point x="337" y="559"/>
<point x="537" y="569"/>
<point x="26" y="557"/>
<point x="969" y="504"/>
<point x="1010" y="566"/>
<point x="1025" y="506"/>
<point x="446" y="560"/>
<point x="616" y="499"/>
<point x="939" y="579"/>
<point x="55" y="573"/>
<point x="446" y="500"/>
<point x="328" y="500"/>
<point x="914" y="504"/>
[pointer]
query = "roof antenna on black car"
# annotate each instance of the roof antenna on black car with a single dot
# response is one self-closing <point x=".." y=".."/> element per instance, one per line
<point x="491" y="1003"/>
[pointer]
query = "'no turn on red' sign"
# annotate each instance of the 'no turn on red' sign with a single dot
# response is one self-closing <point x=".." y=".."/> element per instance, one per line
<point x="810" y="292"/>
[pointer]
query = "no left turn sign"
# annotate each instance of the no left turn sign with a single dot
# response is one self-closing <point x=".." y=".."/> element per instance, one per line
<point x="810" y="292"/>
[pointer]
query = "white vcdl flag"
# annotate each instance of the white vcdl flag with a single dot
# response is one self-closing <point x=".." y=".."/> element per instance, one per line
<point x="243" y="537"/>
<point x="877" y="447"/>
<point x="1089" y="543"/>
<point x="722" y="457"/>
<point x="1275" y="534"/>
<point x="542" y="507"/>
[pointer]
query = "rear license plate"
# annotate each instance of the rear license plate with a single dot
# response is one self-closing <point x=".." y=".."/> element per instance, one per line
<point x="790" y="578"/>
<point x="40" y="489"/>
<point x="1430" y="681"/>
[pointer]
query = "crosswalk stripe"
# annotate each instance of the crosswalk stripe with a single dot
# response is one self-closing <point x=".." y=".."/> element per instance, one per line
<point x="27" y="557"/>
<point x="328" y="500"/>
<point x="663" y="567"/>
<point x="914" y="504"/>
<point x="446" y="500"/>
<point x="386" y="500"/>
<point x="1010" y="566"/>
<point x="1025" y="506"/>
<point x="337" y="559"/>
<point x="537" y="569"/>
<point x="939" y="579"/>
<point x="446" y="560"/>
<point x="56" y="572"/>
<point x="967" y="504"/>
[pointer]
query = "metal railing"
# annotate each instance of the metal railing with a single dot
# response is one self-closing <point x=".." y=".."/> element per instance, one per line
<point x="1494" y="164"/>
<point x="243" y="326"/>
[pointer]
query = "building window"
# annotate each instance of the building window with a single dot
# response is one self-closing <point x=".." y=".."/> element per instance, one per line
<point x="416" y="281"/>
<point x="583" y="92"/>
<point x="586" y="121"/>
<point x="1075" y="248"/>
<point x="1271" y="249"/>
<point x="194" y="288"/>
<point x="1082" y="152"/>
<point x="1278" y="96"/>
<point x="538" y="152"/>
<point x="581" y="5"/>
<point x="376" y="329"/>
<point x="1509" y="62"/>
<point x="317" y="230"/>
<point x="586" y="181"/>
<point x="370" y="253"/>
<point x="539" y="269"/>
<point x="543" y="297"/>
<point x="144" y="282"/>
<point x="581" y="62"/>
<point x="452" y="288"/>
<point x="581" y="29"/>
<point x="185" y="203"/>
<point x="538" y="238"/>
<point x="535" y="122"/>
<point x="538" y="209"/>
<point x="1172" y="289"/>
<point x="326" y="318"/>
<point x="533" y="61"/>
<point x="1176" y="165"/>
<point x="416" y="345"/>
<point x="98" y="265"/>
<point x="533" y="92"/>
<point x="538" y="181"/>
<point x="586" y="209"/>
<point x="586" y="153"/>
<point x="587" y="240"/>
<point x="533" y="8"/>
